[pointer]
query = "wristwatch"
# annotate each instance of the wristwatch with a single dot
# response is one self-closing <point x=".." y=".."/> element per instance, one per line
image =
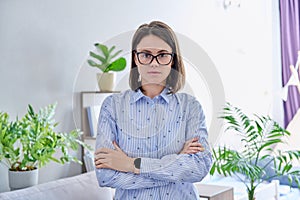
<point x="137" y="163"/>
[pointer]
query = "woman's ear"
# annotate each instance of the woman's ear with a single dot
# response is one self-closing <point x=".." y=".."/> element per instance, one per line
<point x="138" y="69"/>
<point x="172" y="61"/>
<point x="135" y="59"/>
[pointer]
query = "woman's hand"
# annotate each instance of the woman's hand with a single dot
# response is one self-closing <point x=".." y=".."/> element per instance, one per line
<point x="192" y="146"/>
<point x="114" y="159"/>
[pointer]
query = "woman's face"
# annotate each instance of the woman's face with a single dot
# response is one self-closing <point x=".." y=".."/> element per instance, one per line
<point x="153" y="73"/>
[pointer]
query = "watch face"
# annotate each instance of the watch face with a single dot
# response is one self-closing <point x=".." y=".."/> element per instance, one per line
<point x="137" y="163"/>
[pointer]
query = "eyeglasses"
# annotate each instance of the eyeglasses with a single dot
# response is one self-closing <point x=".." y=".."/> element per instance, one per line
<point x="147" y="58"/>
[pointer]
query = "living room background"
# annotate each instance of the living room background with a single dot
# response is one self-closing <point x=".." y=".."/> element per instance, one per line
<point x="45" y="43"/>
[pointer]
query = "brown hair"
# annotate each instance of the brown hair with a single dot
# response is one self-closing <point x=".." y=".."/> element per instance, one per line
<point x="176" y="78"/>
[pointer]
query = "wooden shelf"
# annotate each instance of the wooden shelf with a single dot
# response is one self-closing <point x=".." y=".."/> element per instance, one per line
<point x="89" y="138"/>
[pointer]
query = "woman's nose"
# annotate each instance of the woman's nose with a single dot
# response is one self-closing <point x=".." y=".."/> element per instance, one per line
<point x="154" y="63"/>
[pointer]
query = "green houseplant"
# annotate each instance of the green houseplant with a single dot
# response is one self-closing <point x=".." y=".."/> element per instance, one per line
<point x="31" y="142"/>
<point x="107" y="62"/>
<point x="251" y="164"/>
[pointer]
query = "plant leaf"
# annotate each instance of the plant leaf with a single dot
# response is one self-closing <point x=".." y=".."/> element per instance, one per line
<point x="104" y="49"/>
<point x="111" y="49"/>
<point x="117" y="53"/>
<point x="98" y="57"/>
<point x="117" y="65"/>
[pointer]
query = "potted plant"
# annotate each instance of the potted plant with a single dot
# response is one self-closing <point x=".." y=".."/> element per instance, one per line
<point x="251" y="163"/>
<point x="31" y="142"/>
<point x="107" y="62"/>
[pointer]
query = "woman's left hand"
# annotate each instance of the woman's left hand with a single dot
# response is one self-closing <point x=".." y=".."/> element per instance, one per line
<point x="192" y="146"/>
<point x="114" y="159"/>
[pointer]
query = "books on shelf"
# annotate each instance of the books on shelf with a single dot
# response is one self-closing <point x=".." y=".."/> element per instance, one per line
<point x="93" y="115"/>
<point x="89" y="161"/>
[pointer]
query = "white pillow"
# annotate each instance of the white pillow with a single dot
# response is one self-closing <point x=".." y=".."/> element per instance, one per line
<point x="293" y="141"/>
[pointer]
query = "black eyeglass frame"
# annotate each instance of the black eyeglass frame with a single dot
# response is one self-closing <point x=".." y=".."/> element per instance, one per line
<point x="138" y="53"/>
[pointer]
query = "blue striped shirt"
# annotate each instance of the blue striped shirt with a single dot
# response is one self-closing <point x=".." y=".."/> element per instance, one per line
<point x="154" y="130"/>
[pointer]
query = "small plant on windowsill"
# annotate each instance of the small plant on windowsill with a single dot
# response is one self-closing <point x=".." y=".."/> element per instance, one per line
<point x="108" y="62"/>
<point x="31" y="142"/>
<point x="257" y="154"/>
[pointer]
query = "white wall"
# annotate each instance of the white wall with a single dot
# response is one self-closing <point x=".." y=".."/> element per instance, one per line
<point x="44" y="45"/>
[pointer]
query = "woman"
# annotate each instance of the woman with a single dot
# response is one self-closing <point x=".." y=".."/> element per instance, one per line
<point x="152" y="141"/>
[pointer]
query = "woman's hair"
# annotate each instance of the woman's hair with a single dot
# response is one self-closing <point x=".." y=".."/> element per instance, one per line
<point x="176" y="79"/>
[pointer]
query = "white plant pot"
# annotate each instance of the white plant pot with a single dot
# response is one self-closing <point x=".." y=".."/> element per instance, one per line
<point x="106" y="81"/>
<point x="22" y="179"/>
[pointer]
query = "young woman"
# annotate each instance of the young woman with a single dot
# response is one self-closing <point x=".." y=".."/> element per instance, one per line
<point x="151" y="140"/>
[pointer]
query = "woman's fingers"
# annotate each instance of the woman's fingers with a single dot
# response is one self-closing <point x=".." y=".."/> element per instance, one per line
<point x="192" y="142"/>
<point x="196" y="148"/>
<point x="193" y="151"/>
<point x="108" y="150"/>
<point x="99" y="161"/>
<point x="101" y="165"/>
<point x="101" y="156"/>
<point x="103" y="150"/>
<point x="195" y="144"/>
<point x="195" y="139"/>
<point x="192" y="146"/>
<point x="117" y="146"/>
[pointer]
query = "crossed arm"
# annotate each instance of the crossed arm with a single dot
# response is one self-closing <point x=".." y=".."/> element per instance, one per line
<point x="116" y="159"/>
<point x="115" y="169"/>
<point x="113" y="164"/>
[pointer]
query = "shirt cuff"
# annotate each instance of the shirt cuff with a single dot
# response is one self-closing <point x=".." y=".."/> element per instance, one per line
<point x="150" y="165"/>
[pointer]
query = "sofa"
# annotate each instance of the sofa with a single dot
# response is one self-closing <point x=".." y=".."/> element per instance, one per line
<point x="83" y="186"/>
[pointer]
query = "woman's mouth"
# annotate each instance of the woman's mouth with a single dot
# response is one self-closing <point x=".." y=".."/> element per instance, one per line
<point x="154" y="72"/>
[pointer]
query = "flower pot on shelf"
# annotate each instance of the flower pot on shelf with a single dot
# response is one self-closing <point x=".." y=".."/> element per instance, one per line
<point x="108" y="62"/>
<point x="106" y="81"/>
<point x="22" y="179"/>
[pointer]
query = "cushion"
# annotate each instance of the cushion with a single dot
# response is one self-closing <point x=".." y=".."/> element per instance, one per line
<point x="271" y="172"/>
<point x="292" y="142"/>
<point x="83" y="186"/>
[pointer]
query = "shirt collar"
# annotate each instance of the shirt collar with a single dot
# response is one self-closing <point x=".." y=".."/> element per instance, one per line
<point x="136" y="95"/>
<point x="165" y="94"/>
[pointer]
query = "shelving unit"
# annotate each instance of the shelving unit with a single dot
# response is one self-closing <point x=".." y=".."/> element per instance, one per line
<point x="90" y="98"/>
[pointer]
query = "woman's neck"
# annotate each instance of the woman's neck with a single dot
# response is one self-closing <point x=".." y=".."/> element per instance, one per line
<point x="152" y="90"/>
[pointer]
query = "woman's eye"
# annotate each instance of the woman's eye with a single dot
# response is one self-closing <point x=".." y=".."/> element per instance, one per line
<point x="146" y="55"/>
<point x="162" y="55"/>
